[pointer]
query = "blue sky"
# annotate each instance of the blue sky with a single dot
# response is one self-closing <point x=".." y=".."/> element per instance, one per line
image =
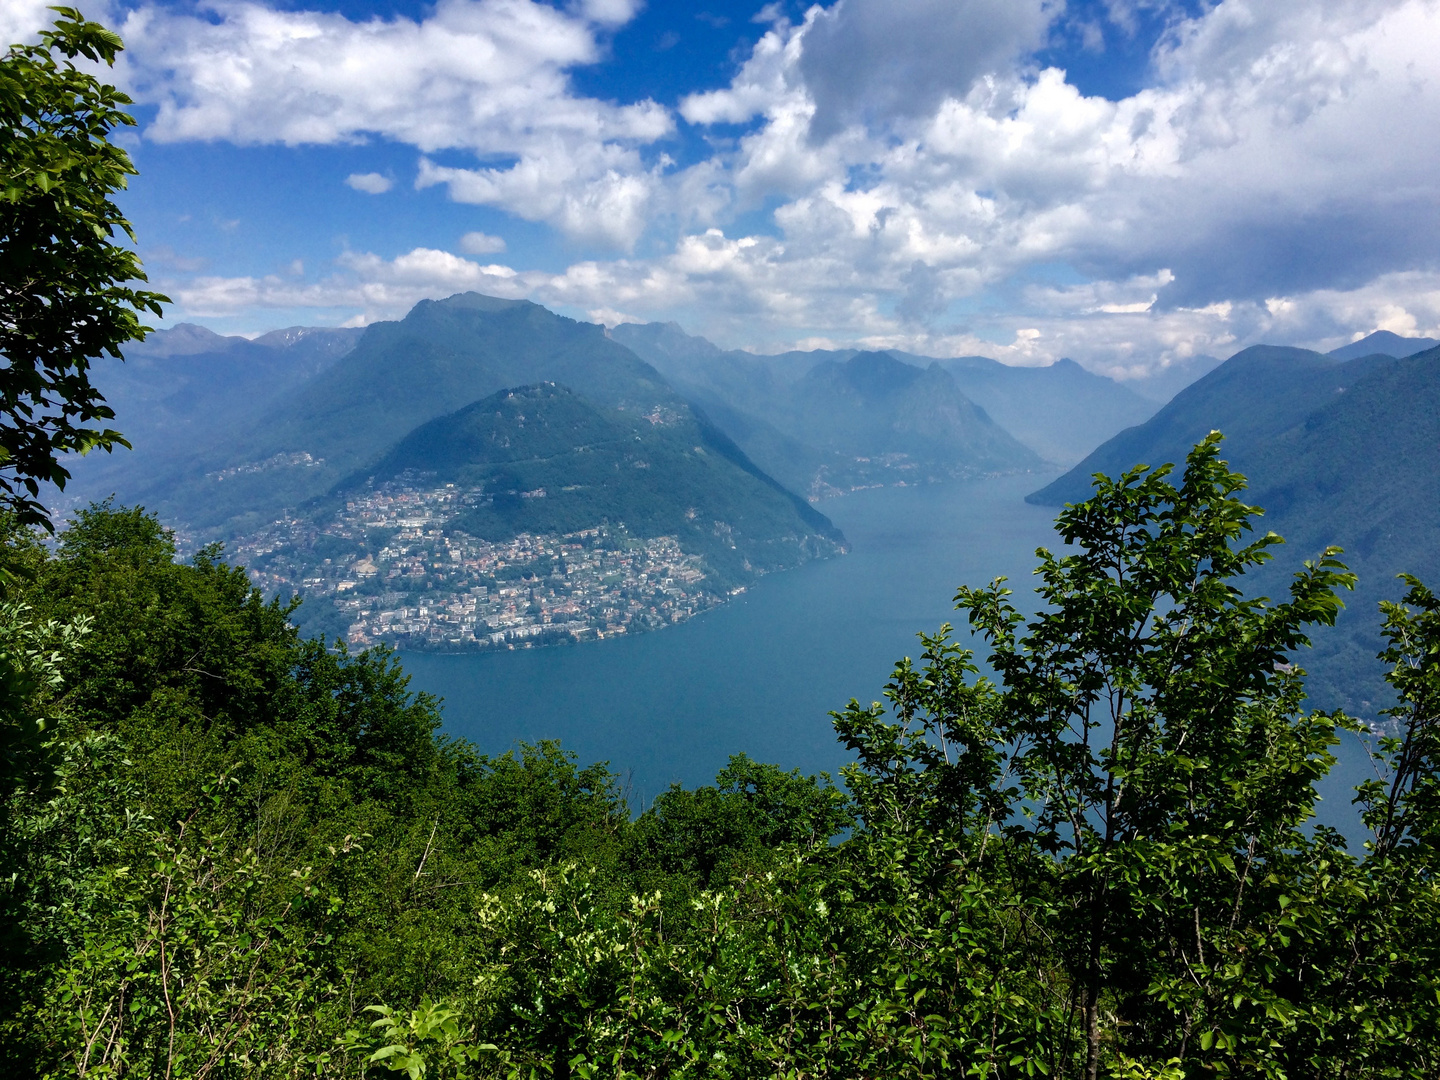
<point x="1127" y="182"/>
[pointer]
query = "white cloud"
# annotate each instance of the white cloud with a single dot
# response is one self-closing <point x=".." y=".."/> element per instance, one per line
<point x="22" y="20"/>
<point x="479" y="243"/>
<point x="597" y="192"/>
<point x="926" y="182"/>
<point x="489" y="76"/>
<point x="742" y="292"/>
<point x="371" y="182"/>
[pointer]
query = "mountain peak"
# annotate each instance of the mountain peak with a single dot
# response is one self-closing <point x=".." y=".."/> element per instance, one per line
<point x="474" y="301"/>
<point x="185" y="339"/>
<point x="877" y="374"/>
<point x="1383" y="343"/>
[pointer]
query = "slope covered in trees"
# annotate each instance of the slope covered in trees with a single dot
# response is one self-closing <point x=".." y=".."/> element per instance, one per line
<point x="1342" y="452"/>
<point x="230" y="851"/>
<point x="548" y="461"/>
<point x="442" y="356"/>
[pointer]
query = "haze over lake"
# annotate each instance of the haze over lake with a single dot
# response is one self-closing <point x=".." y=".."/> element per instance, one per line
<point x="760" y="674"/>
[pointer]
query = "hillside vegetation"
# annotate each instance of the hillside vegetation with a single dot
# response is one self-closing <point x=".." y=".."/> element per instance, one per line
<point x="548" y="461"/>
<point x="441" y="356"/>
<point x="232" y="851"/>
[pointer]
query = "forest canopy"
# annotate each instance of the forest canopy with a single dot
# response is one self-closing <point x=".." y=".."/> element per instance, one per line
<point x="229" y="850"/>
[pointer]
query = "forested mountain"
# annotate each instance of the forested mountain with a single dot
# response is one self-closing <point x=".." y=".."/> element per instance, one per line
<point x="547" y="460"/>
<point x="1337" y="451"/>
<point x="441" y="356"/>
<point x="1254" y="396"/>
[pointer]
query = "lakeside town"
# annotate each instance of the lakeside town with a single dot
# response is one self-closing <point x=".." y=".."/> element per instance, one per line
<point x="396" y="574"/>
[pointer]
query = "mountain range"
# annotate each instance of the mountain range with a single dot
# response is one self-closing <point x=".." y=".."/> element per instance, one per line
<point x="965" y="416"/>
<point x="1340" y="448"/>
<point x="231" y="432"/>
<point x="520" y="420"/>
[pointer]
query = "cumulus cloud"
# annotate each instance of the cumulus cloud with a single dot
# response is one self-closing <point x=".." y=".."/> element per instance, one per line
<point x="22" y="20"/>
<point x="598" y="192"/>
<point x="742" y="292"/>
<point x="926" y="183"/>
<point x="371" y="183"/>
<point x="489" y="76"/>
<point x="479" y="243"/>
<point x="1281" y="150"/>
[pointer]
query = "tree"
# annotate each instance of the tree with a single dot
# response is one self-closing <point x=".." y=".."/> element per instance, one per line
<point x="67" y="287"/>
<point x="1137" y="780"/>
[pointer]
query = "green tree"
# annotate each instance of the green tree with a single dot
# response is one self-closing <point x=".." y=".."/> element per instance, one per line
<point x="67" y="286"/>
<point x="1137" y="779"/>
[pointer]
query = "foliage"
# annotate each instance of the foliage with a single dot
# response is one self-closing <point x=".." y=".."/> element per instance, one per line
<point x="234" y="851"/>
<point x="1400" y="812"/>
<point x="67" y="292"/>
<point x="1338" y="453"/>
<point x="676" y="477"/>
<point x="411" y="1043"/>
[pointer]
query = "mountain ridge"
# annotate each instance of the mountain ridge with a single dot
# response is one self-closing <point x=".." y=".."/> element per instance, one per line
<point x="1339" y="452"/>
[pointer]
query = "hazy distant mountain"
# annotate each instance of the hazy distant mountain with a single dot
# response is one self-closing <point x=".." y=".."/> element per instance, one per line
<point x="181" y="387"/>
<point x="1383" y="343"/>
<point x="1062" y="411"/>
<point x="1337" y="452"/>
<point x="874" y="404"/>
<point x="185" y="374"/>
<point x="1162" y="384"/>
<point x="697" y="363"/>
<point x="549" y="461"/>
<point x="828" y="421"/>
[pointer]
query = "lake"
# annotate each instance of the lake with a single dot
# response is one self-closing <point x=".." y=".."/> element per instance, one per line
<point x="760" y="673"/>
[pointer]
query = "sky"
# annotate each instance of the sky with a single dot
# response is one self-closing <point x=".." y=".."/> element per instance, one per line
<point x="1128" y="183"/>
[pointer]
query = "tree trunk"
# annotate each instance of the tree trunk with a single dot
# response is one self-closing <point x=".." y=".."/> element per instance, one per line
<point x="1092" y="1030"/>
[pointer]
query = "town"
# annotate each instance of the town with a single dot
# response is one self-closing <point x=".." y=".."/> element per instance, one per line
<point x="396" y="574"/>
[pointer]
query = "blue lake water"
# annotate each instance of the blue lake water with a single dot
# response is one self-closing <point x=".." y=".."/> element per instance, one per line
<point x="760" y="673"/>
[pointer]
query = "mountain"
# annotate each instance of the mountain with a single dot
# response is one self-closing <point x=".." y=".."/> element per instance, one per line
<point x="192" y="377"/>
<point x="181" y="386"/>
<point x="443" y="355"/>
<point x="1255" y="395"/>
<point x="534" y="516"/>
<point x="1337" y="451"/>
<point x="1383" y="343"/>
<point x="1062" y="411"/>
<point x="546" y="460"/>
<point x="829" y="421"/>
<point x="876" y="405"/>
